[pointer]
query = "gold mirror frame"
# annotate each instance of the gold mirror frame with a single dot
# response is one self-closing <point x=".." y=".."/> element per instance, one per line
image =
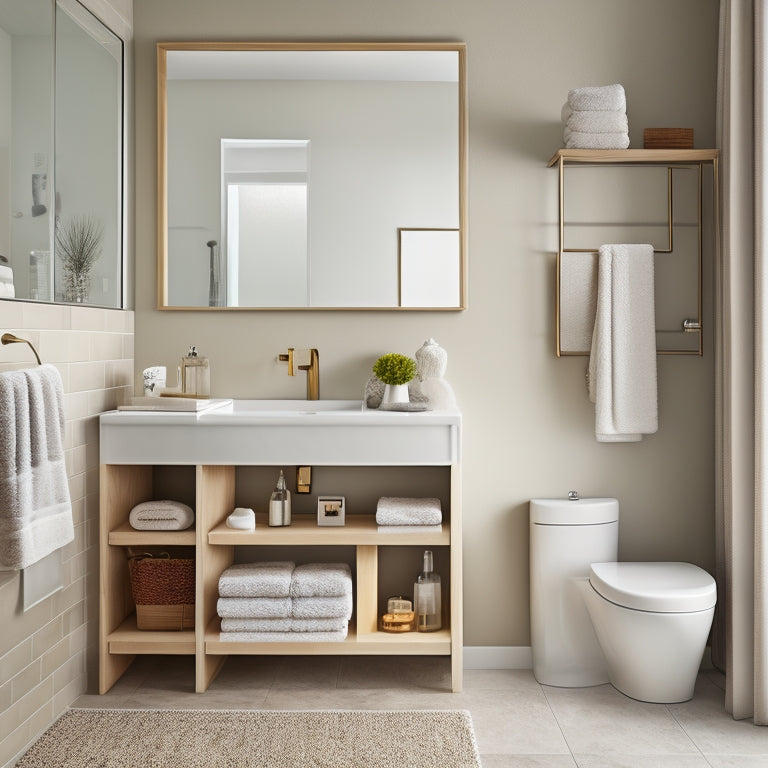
<point x="162" y="175"/>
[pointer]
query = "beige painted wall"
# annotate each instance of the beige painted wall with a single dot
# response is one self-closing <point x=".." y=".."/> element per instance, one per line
<point x="528" y="426"/>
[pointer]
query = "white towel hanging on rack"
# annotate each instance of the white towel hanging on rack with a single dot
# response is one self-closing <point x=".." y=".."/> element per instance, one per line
<point x="622" y="365"/>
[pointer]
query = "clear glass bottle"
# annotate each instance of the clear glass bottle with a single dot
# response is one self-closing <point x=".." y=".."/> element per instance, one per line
<point x="280" y="504"/>
<point x="427" y="597"/>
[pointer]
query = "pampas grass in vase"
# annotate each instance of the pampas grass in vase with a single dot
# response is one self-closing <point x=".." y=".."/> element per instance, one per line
<point x="78" y="241"/>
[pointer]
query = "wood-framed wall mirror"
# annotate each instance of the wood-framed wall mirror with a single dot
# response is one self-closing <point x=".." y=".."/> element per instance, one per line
<point x="312" y="176"/>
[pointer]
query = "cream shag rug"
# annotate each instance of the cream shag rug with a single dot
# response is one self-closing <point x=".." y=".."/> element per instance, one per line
<point x="121" y="738"/>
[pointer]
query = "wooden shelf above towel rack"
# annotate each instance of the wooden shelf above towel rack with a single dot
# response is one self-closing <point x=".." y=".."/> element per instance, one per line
<point x="631" y="156"/>
<point x="665" y="158"/>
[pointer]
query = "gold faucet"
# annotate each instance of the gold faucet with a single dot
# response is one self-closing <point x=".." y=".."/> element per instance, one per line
<point x="312" y="368"/>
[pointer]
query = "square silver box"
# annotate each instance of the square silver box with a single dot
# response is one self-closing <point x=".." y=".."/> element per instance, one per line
<point x="330" y="510"/>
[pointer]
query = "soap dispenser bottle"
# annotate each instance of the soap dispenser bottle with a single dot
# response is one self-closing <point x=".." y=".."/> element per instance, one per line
<point x="280" y="504"/>
<point x="427" y="597"/>
<point x="195" y="375"/>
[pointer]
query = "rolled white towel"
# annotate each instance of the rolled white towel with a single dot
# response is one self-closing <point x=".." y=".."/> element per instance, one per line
<point x="598" y="97"/>
<point x="283" y="625"/>
<point x="163" y="515"/>
<point x="598" y="122"/>
<point x="322" y="607"/>
<point x="579" y="140"/>
<point x="321" y="580"/>
<point x="263" y="579"/>
<point x="254" y="607"/>
<point x="395" y="510"/>
<point x="284" y="637"/>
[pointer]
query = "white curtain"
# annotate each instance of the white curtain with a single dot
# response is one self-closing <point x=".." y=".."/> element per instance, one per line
<point x="740" y="642"/>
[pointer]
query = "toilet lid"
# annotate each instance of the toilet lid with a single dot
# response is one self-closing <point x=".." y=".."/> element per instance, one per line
<point x="658" y="587"/>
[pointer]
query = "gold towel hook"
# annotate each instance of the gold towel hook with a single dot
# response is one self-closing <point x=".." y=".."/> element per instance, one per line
<point x="9" y="338"/>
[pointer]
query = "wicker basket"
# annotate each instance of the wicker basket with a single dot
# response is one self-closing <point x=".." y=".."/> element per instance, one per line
<point x="164" y="592"/>
<point x="668" y="138"/>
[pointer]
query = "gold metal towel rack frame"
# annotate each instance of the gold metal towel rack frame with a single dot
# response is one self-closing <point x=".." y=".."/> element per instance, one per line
<point x="669" y="158"/>
<point x="9" y="338"/>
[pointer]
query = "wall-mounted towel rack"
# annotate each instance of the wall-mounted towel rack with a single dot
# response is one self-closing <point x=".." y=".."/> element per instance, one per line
<point x="9" y="338"/>
<point x="575" y="303"/>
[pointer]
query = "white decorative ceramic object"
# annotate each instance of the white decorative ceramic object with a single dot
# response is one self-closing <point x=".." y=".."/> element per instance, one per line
<point x="431" y="360"/>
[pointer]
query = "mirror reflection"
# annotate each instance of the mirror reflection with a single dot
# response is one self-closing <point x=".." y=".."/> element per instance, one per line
<point x="60" y="171"/>
<point x="306" y="177"/>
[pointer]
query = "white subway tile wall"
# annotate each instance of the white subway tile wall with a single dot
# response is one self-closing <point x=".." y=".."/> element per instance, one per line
<point x="48" y="654"/>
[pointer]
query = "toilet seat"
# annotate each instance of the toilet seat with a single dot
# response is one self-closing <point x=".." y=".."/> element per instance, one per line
<point x="656" y="587"/>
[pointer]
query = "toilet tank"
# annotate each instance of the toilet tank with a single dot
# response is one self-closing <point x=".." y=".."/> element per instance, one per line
<point x="566" y="537"/>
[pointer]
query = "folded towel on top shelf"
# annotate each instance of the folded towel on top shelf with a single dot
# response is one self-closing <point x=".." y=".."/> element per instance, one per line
<point x="395" y="510"/>
<point x="284" y="625"/>
<point x="254" y="607"/>
<point x="35" y="508"/>
<point x="337" y="636"/>
<point x="579" y="140"/>
<point x="596" y="122"/>
<point x="600" y="97"/>
<point x="322" y="607"/>
<point x="321" y="580"/>
<point x="622" y="364"/>
<point x="599" y="121"/>
<point x="262" y="579"/>
<point x="163" y="515"/>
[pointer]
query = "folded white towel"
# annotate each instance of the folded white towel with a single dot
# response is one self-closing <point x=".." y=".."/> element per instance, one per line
<point x="579" y="140"/>
<point x="410" y="529"/>
<point x="622" y="363"/>
<point x="395" y="510"/>
<point x="284" y="637"/>
<point x="163" y="515"/>
<point x="601" y="97"/>
<point x="283" y="625"/>
<point x="322" y="607"/>
<point x="263" y="579"/>
<point x="254" y="607"/>
<point x="35" y="508"/>
<point x="597" y="122"/>
<point x="321" y="580"/>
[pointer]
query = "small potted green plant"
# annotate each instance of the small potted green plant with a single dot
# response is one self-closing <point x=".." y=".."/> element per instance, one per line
<point x="395" y="371"/>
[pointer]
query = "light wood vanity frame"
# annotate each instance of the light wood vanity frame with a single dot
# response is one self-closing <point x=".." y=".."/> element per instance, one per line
<point x="125" y="485"/>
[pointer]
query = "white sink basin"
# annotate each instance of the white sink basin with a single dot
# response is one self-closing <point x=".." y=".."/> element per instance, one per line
<point x="294" y="407"/>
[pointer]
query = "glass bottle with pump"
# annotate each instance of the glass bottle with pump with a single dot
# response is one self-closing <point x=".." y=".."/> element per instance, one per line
<point x="280" y="504"/>
<point x="427" y="597"/>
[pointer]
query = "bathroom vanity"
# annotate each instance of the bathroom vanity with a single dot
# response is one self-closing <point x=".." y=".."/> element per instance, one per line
<point x="217" y="456"/>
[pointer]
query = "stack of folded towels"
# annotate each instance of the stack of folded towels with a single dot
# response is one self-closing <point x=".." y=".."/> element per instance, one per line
<point x="595" y="117"/>
<point x="282" y="602"/>
<point x="395" y="514"/>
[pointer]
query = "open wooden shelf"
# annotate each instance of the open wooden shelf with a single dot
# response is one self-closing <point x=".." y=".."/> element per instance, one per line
<point x="373" y="644"/>
<point x="649" y="156"/>
<point x="304" y="531"/>
<point x="125" y="536"/>
<point x="128" y="638"/>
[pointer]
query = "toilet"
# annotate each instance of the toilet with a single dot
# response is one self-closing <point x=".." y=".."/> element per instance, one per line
<point x="640" y="626"/>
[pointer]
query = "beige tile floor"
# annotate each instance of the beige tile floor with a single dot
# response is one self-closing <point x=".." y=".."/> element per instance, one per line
<point x="517" y="721"/>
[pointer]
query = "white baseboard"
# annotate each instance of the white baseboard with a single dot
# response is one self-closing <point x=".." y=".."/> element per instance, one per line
<point x="497" y="657"/>
<point x="521" y="657"/>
